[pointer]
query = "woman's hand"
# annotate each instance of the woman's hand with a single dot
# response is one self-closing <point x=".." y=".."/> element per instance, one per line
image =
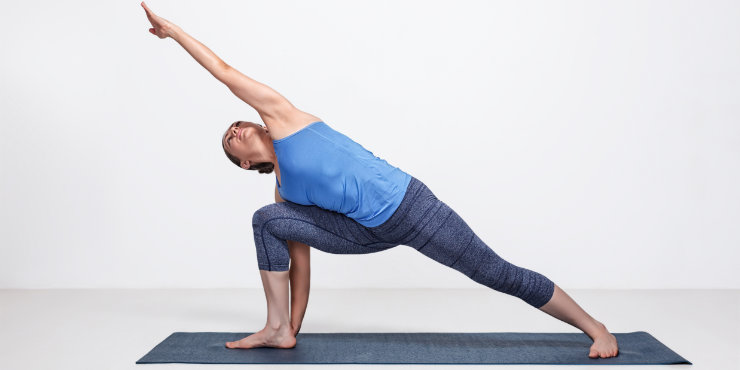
<point x="162" y="27"/>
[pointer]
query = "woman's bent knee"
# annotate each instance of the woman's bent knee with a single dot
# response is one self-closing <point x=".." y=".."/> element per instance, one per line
<point x="272" y="252"/>
<point x="265" y="213"/>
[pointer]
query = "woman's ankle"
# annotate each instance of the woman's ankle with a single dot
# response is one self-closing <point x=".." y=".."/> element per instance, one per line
<point x="279" y="326"/>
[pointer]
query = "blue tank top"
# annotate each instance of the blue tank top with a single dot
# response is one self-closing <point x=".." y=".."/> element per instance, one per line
<point x="320" y="166"/>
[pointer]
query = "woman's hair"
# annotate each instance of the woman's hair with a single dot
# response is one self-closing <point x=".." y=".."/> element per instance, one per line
<point x="262" y="167"/>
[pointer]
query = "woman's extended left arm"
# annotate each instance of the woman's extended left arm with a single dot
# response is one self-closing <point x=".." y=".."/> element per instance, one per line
<point x="270" y="105"/>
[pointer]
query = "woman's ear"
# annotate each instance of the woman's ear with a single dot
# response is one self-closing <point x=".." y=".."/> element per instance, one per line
<point x="246" y="164"/>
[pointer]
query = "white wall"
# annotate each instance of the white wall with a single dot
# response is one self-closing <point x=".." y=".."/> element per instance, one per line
<point x="595" y="142"/>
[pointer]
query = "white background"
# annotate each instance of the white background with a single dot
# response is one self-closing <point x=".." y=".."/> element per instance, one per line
<point x="594" y="142"/>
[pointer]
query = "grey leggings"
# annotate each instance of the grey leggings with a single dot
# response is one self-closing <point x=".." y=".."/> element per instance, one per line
<point x="421" y="221"/>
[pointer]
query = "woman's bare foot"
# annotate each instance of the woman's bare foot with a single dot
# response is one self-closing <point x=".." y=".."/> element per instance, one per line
<point x="267" y="337"/>
<point x="605" y="344"/>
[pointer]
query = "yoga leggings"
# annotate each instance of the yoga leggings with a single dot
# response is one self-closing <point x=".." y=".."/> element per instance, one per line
<point x="421" y="221"/>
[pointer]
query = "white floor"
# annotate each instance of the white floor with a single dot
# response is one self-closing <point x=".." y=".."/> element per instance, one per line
<point x="111" y="329"/>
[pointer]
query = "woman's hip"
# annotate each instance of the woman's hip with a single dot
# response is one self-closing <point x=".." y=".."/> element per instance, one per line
<point x="417" y="216"/>
<point x="413" y="222"/>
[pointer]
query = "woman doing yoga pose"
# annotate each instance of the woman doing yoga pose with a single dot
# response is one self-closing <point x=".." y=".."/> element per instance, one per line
<point x="341" y="199"/>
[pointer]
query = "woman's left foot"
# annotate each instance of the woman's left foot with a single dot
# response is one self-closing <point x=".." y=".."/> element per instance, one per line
<point x="605" y="344"/>
<point x="267" y="337"/>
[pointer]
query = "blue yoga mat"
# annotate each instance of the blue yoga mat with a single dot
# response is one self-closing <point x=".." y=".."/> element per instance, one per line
<point x="636" y="348"/>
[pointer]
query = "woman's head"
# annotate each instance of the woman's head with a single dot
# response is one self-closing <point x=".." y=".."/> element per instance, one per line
<point x="249" y="146"/>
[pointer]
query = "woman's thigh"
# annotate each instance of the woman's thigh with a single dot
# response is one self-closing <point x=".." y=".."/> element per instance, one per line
<point x="325" y="230"/>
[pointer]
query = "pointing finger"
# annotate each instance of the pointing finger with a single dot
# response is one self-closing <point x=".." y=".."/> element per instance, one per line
<point x="146" y="8"/>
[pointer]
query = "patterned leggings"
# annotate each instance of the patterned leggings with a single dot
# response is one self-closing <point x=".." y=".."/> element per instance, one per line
<point x="421" y="221"/>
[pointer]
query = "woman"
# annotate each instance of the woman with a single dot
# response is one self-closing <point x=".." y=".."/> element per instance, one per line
<point x="342" y="199"/>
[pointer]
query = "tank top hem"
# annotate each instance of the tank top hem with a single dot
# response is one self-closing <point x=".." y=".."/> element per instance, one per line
<point x="383" y="216"/>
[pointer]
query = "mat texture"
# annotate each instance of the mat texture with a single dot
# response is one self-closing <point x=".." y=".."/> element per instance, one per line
<point x="637" y="348"/>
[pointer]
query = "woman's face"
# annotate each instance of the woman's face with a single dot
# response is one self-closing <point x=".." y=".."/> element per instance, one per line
<point x="246" y="141"/>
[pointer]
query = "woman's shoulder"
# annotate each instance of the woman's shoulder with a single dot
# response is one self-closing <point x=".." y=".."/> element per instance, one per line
<point x="290" y="123"/>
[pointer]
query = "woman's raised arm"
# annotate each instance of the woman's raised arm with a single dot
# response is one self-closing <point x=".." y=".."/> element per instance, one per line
<point x="267" y="102"/>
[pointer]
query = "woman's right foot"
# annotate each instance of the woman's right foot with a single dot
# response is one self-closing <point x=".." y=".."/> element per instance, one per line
<point x="605" y="344"/>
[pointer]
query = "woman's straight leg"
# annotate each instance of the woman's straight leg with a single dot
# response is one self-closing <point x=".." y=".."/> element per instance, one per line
<point x="433" y="228"/>
<point x="430" y="226"/>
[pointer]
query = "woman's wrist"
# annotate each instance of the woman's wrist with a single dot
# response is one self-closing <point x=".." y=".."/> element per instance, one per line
<point x="173" y="31"/>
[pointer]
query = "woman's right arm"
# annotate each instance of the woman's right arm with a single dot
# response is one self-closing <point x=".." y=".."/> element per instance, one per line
<point x="300" y="282"/>
<point x="271" y="106"/>
<point x="300" y="278"/>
